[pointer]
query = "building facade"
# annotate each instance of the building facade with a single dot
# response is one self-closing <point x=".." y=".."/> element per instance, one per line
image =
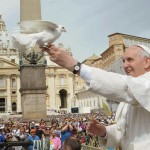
<point x="60" y="82"/>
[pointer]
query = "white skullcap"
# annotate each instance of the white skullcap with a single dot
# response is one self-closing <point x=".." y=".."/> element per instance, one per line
<point x="145" y="48"/>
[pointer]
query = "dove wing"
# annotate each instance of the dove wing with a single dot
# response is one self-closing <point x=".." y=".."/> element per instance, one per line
<point x="19" y="44"/>
<point x="35" y="26"/>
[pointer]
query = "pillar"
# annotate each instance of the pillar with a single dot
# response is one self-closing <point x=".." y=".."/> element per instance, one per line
<point x="8" y="104"/>
<point x="71" y="86"/>
<point x="18" y="94"/>
<point x="30" y="10"/>
<point x="52" y="90"/>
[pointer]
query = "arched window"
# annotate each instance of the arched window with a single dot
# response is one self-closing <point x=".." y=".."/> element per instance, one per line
<point x="63" y="98"/>
<point x="14" y="108"/>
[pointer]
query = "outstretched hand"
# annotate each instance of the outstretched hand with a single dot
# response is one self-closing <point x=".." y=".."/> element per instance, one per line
<point x="60" y="57"/>
<point x="96" y="128"/>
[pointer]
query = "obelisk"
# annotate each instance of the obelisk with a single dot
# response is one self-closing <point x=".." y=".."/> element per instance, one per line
<point x="30" y="10"/>
<point x="32" y="76"/>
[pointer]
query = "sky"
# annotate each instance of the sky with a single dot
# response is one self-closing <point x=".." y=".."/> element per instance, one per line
<point x="88" y="22"/>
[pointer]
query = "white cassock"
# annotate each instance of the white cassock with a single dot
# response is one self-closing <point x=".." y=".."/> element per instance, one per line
<point x="132" y="130"/>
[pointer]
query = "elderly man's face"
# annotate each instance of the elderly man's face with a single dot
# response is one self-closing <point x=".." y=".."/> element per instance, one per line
<point x="134" y="63"/>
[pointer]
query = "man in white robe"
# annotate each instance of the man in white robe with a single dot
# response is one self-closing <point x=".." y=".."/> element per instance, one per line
<point x="132" y="130"/>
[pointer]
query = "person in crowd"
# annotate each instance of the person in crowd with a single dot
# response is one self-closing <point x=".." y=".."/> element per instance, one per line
<point x="22" y="135"/>
<point x="32" y="125"/>
<point x="16" y="135"/>
<point x="16" y="131"/>
<point x="6" y="129"/>
<point x="32" y="137"/>
<point x="132" y="130"/>
<point x="54" y="126"/>
<point x="26" y="128"/>
<point x="74" y="131"/>
<point x="39" y="131"/>
<point x="2" y="137"/>
<point x="55" y="140"/>
<point x="47" y="131"/>
<point x="72" y="144"/>
<point x="66" y="132"/>
<point x="42" y="124"/>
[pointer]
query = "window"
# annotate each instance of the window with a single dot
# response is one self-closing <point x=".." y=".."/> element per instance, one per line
<point x="13" y="60"/>
<point x="2" y="82"/>
<point x="87" y="104"/>
<point x="90" y="104"/>
<point x="13" y="82"/>
<point x="13" y="92"/>
<point x="94" y="103"/>
<point x="14" y="106"/>
<point x="126" y="42"/>
<point x="62" y="81"/>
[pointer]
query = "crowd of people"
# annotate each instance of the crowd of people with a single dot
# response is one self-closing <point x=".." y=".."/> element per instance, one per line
<point x="57" y="128"/>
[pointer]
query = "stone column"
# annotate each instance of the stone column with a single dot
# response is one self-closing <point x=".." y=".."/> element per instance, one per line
<point x="48" y="90"/>
<point x="18" y="94"/>
<point x="52" y="90"/>
<point x="30" y="10"/>
<point x="9" y="105"/>
<point x="33" y="92"/>
<point x="70" y="90"/>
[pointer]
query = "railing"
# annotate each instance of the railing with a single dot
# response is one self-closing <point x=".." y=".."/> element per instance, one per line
<point x="40" y="146"/>
<point x="7" y="145"/>
<point x="44" y="144"/>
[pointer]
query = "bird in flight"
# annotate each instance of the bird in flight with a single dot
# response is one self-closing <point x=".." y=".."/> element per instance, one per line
<point x="32" y="32"/>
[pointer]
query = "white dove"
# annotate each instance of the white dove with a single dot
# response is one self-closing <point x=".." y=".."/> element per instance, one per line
<point x="33" y="32"/>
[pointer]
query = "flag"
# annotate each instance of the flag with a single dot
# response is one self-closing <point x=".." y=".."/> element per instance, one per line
<point x="106" y="108"/>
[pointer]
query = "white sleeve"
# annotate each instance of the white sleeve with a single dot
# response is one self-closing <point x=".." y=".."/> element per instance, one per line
<point x="140" y="88"/>
<point x="107" y="84"/>
<point x="85" y="73"/>
<point x="113" y="137"/>
<point x="121" y="88"/>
